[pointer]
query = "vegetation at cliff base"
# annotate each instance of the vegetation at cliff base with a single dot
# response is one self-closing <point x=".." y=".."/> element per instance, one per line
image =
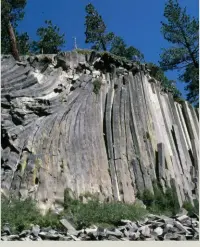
<point x="160" y="202"/>
<point x="21" y="214"/>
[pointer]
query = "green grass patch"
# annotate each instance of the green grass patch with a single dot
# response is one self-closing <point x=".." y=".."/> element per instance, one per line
<point x="21" y="214"/>
<point x="99" y="213"/>
<point x="160" y="202"/>
<point x="83" y="51"/>
<point x="190" y="208"/>
<point x="102" y="213"/>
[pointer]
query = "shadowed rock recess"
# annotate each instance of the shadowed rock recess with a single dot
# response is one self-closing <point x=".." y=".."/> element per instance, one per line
<point x="92" y="123"/>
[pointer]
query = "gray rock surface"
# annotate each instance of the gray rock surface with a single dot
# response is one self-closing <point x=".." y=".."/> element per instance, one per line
<point x="57" y="131"/>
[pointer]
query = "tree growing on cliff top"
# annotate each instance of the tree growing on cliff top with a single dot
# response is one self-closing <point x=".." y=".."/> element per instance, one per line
<point x="167" y="85"/>
<point x="96" y="30"/>
<point x="50" y="40"/>
<point x="182" y="32"/>
<point x="119" y="48"/>
<point x="23" y="43"/>
<point x="11" y="13"/>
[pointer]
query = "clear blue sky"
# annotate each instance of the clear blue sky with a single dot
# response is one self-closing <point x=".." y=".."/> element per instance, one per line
<point x="137" y="21"/>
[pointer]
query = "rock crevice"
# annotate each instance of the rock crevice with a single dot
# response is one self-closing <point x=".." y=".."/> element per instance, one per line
<point x="95" y="124"/>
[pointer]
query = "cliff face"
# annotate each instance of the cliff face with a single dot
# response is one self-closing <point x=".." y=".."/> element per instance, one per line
<point x="92" y="124"/>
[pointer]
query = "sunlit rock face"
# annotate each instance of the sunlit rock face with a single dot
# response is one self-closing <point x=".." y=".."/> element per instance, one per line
<point x="92" y="123"/>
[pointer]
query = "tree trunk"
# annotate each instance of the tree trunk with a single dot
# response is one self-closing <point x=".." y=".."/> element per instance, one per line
<point x="13" y="42"/>
<point x="187" y="45"/>
<point x="103" y="45"/>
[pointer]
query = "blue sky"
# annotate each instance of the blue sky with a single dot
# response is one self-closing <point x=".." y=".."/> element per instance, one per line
<point x="137" y="21"/>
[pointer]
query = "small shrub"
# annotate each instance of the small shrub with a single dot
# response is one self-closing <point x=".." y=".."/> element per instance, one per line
<point x="160" y="198"/>
<point x="172" y="200"/>
<point x="101" y="213"/>
<point x="148" y="198"/>
<point x="190" y="208"/>
<point x="179" y="100"/>
<point x="97" y="86"/>
<point x="83" y="51"/>
<point x="95" y="212"/>
<point x="68" y="198"/>
<point x="196" y="206"/>
<point x="21" y="214"/>
<point x="49" y="219"/>
<point x="160" y="202"/>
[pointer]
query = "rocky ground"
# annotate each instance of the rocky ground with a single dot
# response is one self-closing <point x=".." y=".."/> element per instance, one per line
<point x="153" y="228"/>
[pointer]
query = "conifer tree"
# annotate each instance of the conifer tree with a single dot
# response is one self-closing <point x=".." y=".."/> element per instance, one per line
<point x="11" y="13"/>
<point x="182" y="31"/>
<point x="96" y="30"/>
<point x="50" y="40"/>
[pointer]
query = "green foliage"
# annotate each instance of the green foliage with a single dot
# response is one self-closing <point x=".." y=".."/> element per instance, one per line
<point x="68" y="198"/>
<point x="83" y="51"/>
<point x="20" y="214"/>
<point x="49" y="219"/>
<point x="95" y="212"/>
<point x="191" y="77"/>
<point x="23" y="43"/>
<point x="190" y="208"/>
<point x="96" y="29"/>
<point x="160" y="202"/>
<point x="119" y="48"/>
<point x="148" y="198"/>
<point x="167" y="85"/>
<point x="50" y="41"/>
<point x="97" y="86"/>
<point x="172" y="200"/>
<point x="11" y="11"/>
<point x="182" y="32"/>
<point x="179" y="100"/>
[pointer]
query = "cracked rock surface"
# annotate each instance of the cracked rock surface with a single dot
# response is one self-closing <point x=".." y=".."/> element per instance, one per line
<point x="92" y="124"/>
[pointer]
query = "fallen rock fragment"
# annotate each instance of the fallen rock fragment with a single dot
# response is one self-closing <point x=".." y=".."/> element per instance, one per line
<point x="70" y="229"/>
<point x="35" y="230"/>
<point x="158" y="231"/>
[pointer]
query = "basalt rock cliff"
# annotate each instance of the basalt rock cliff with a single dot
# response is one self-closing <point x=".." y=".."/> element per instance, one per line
<point x="92" y="123"/>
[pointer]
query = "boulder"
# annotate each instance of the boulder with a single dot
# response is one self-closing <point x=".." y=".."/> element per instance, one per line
<point x="35" y="230"/>
<point x="70" y="229"/>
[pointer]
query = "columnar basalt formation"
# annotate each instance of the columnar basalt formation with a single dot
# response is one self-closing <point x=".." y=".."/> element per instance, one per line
<point x="96" y="124"/>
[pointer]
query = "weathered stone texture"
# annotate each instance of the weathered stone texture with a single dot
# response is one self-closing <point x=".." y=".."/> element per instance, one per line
<point x="57" y="133"/>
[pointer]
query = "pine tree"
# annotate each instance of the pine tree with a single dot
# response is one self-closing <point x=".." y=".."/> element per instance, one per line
<point x="96" y="30"/>
<point x="11" y="13"/>
<point x="23" y="43"/>
<point x="181" y="31"/>
<point x="166" y="84"/>
<point x="50" y="41"/>
<point x="119" y="48"/>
